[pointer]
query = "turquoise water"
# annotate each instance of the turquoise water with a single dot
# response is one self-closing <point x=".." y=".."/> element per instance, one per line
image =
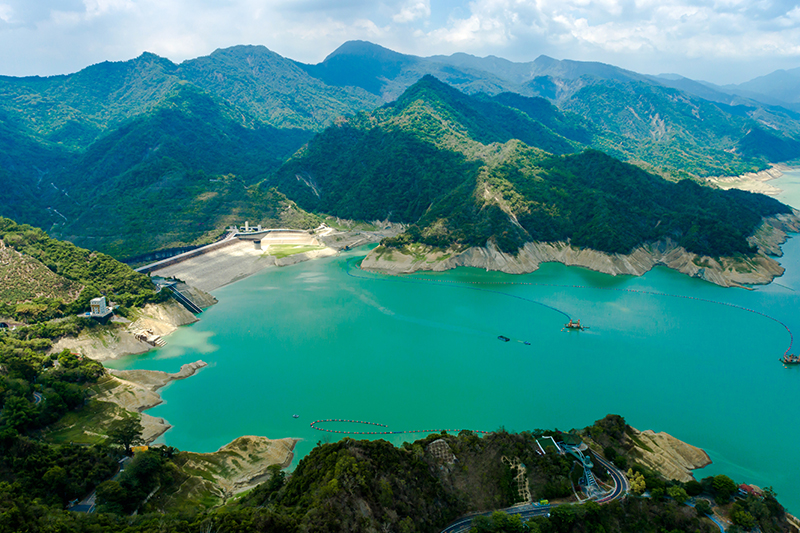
<point x="421" y="352"/>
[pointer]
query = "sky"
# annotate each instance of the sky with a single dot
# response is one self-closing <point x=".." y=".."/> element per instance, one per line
<point x="722" y="41"/>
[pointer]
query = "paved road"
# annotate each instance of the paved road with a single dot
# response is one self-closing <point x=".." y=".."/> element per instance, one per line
<point x="621" y="486"/>
<point x="529" y="510"/>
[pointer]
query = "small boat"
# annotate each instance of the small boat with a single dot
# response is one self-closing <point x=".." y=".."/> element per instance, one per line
<point x="790" y="359"/>
<point x="575" y="325"/>
<point x="526" y="343"/>
<point x="295" y="416"/>
<point x="503" y="338"/>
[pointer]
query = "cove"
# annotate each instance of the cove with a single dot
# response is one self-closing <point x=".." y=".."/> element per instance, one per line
<point x="323" y="340"/>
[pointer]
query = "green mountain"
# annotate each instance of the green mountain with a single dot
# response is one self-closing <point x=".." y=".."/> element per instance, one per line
<point x="74" y="110"/>
<point x="666" y="129"/>
<point x="466" y="171"/>
<point x="173" y="176"/>
<point x="111" y="155"/>
<point x="394" y="162"/>
<point x="781" y="85"/>
<point x="273" y="89"/>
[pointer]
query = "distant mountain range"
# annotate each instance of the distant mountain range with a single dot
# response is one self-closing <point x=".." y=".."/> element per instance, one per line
<point x="139" y="155"/>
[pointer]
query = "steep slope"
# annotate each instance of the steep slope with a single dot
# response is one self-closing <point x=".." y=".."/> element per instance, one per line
<point x="25" y="172"/>
<point x="386" y="74"/>
<point x="781" y="85"/>
<point x="683" y="129"/>
<point x="75" y="109"/>
<point x="100" y="155"/>
<point x="671" y="130"/>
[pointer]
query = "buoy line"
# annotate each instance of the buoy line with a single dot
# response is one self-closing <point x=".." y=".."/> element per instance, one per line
<point x="407" y="431"/>
<point x="467" y="284"/>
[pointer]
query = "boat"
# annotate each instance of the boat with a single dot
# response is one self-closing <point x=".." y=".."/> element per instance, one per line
<point x="295" y="416"/>
<point x="790" y="359"/>
<point x="503" y="338"/>
<point x="575" y="324"/>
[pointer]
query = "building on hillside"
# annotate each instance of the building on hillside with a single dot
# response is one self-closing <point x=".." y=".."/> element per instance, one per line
<point x="98" y="308"/>
<point x="750" y="490"/>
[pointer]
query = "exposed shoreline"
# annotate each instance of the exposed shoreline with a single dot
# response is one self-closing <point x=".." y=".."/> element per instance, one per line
<point x="753" y="181"/>
<point x="726" y="272"/>
<point x="137" y="390"/>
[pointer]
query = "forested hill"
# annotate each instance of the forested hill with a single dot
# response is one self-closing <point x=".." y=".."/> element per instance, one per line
<point x="43" y="278"/>
<point x="134" y="156"/>
<point x="466" y="171"/>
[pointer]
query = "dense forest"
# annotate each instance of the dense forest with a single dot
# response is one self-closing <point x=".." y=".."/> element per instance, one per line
<point x="359" y="485"/>
<point x="442" y="161"/>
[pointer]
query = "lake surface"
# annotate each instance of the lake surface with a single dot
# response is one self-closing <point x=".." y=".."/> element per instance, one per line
<point x="322" y="339"/>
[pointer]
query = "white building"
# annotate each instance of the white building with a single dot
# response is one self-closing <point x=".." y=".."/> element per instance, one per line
<point x="98" y="307"/>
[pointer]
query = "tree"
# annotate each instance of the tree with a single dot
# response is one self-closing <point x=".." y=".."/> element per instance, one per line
<point x="703" y="508"/>
<point x="677" y="494"/>
<point x="126" y="433"/>
<point x="741" y="517"/>
<point x="637" y="481"/>
<point x="17" y="413"/>
<point x="724" y="487"/>
<point x="693" y="488"/>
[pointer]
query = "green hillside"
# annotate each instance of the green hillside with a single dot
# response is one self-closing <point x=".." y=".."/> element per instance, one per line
<point x="361" y="485"/>
<point x="129" y="157"/>
<point x="457" y="163"/>
<point x="272" y="88"/>
<point x="176" y="175"/>
<point x="48" y="278"/>
<point x="681" y="134"/>
<point x="75" y="109"/>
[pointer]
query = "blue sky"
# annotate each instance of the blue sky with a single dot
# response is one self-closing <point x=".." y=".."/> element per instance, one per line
<point x="723" y="41"/>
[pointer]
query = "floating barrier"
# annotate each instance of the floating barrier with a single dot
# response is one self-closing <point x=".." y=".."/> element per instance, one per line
<point x="407" y="431"/>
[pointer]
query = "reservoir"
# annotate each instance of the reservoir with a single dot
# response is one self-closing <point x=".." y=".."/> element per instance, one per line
<point x="323" y="340"/>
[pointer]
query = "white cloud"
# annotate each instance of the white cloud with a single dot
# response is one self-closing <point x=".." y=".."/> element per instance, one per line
<point x="54" y="36"/>
<point x="6" y="13"/>
<point x="413" y="10"/>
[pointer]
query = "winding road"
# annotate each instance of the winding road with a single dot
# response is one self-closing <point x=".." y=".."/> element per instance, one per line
<point x="529" y="510"/>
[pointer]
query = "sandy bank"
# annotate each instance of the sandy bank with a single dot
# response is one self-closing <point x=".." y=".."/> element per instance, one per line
<point x="726" y="272"/>
<point x="752" y="181"/>
<point x="135" y="390"/>
<point x="118" y="340"/>
<point x="672" y="458"/>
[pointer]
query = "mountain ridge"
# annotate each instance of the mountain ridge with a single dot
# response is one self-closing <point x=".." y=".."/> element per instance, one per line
<point x="62" y="133"/>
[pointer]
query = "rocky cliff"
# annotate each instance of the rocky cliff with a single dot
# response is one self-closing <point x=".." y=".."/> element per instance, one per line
<point x="672" y="458"/>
